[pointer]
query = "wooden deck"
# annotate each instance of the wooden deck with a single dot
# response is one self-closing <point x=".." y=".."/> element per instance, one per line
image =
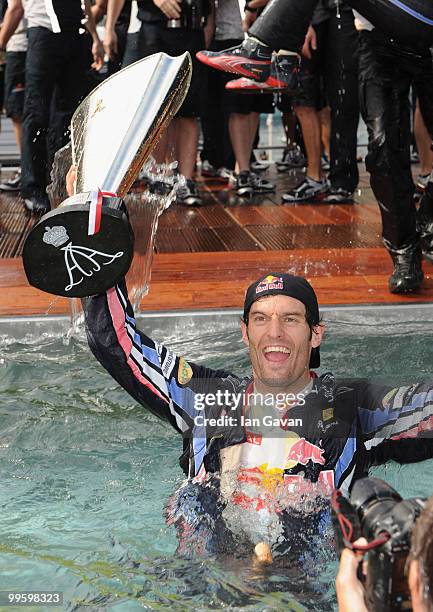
<point x="205" y="257"/>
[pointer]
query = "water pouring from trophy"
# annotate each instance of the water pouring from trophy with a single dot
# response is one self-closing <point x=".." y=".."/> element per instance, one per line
<point x="86" y="245"/>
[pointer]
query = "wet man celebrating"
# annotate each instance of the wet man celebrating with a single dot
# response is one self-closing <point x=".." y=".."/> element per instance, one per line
<point x="324" y="432"/>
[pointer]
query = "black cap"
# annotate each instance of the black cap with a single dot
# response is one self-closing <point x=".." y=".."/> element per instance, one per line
<point x="296" y="287"/>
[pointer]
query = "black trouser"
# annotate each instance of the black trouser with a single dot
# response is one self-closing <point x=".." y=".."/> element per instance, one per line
<point x="155" y="37"/>
<point x="341" y="77"/>
<point x="283" y="24"/>
<point x="385" y="76"/>
<point x="217" y="147"/>
<point x="54" y="61"/>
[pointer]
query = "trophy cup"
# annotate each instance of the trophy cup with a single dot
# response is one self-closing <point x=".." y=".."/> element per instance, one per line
<point x="86" y="245"/>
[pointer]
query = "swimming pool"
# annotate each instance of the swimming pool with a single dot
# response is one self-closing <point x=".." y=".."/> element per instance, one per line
<point x="85" y="473"/>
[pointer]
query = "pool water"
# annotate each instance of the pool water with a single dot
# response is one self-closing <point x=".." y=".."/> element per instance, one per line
<point x="85" y="472"/>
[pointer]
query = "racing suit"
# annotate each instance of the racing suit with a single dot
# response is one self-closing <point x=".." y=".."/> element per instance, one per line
<point x="347" y="425"/>
<point x="284" y="23"/>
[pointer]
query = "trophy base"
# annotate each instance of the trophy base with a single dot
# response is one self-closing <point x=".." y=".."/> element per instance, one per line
<point x="61" y="256"/>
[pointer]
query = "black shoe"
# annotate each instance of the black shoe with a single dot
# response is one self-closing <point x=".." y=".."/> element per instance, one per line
<point x="338" y="195"/>
<point x="188" y="194"/>
<point x="307" y="191"/>
<point x="161" y="188"/>
<point x="13" y="184"/>
<point x="325" y="163"/>
<point x="38" y="205"/>
<point x="292" y="158"/>
<point x="247" y="183"/>
<point x="420" y="182"/>
<point x="251" y="59"/>
<point x="408" y="275"/>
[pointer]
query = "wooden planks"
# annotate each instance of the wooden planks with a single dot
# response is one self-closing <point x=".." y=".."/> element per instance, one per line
<point x="218" y="280"/>
<point x="206" y="257"/>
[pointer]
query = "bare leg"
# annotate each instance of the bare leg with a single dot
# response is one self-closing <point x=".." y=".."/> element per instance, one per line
<point x="186" y="144"/>
<point x="254" y="124"/>
<point x="17" y="125"/>
<point x="423" y="142"/>
<point x="160" y="151"/>
<point x="240" y="136"/>
<point x="325" y="129"/>
<point x="289" y="123"/>
<point x="310" y="124"/>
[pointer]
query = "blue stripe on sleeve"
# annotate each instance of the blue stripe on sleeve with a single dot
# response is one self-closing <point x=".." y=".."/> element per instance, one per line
<point x="346" y="456"/>
<point x="411" y="12"/>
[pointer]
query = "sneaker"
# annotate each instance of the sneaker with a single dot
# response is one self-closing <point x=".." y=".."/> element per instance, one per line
<point x="292" y="158"/>
<point x="248" y="183"/>
<point x="259" y="166"/>
<point x="159" y="187"/>
<point x="13" y="184"/>
<point x="251" y="59"/>
<point x="408" y="275"/>
<point x="261" y="185"/>
<point x="338" y="195"/>
<point x="207" y="169"/>
<point x="283" y="78"/>
<point x="38" y="205"/>
<point x="326" y="166"/>
<point x="420" y="183"/>
<point x="226" y="175"/>
<point x="308" y="190"/>
<point x="188" y="194"/>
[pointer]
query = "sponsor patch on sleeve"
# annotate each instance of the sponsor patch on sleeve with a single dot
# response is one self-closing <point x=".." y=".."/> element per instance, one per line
<point x="328" y="414"/>
<point x="184" y="372"/>
<point x="168" y="363"/>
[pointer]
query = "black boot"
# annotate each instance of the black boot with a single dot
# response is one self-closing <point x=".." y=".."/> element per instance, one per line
<point x="424" y="221"/>
<point x="407" y="276"/>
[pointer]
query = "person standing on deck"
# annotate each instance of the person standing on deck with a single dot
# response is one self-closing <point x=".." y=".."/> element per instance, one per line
<point x="394" y="52"/>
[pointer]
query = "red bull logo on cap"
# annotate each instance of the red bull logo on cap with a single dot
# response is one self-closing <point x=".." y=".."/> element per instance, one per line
<point x="270" y="282"/>
<point x="303" y="451"/>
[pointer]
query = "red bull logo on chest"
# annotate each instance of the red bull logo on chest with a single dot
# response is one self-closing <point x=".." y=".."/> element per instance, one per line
<point x="303" y="451"/>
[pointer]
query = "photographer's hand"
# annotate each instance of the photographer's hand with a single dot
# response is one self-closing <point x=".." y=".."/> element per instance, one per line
<point x="170" y="8"/>
<point x="350" y="592"/>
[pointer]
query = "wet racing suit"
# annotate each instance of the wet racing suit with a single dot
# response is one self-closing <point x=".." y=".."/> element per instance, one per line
<point x="347" y="425"/>
<point x="284" y="23"/>
<point x="394" y="56"/>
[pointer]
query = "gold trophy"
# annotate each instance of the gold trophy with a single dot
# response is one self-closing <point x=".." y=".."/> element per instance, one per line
<point x="86" y="245"/>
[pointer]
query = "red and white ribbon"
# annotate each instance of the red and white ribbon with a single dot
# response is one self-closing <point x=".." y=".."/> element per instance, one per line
<point x="95" y="210"/>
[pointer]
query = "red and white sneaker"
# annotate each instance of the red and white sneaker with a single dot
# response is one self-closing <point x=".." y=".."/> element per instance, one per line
<point x="250" y="59"/>
<point x="283" y="78"/>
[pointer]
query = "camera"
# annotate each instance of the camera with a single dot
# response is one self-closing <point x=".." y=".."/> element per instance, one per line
<point x="192" y="17"/>
<point x="378" y="513"/>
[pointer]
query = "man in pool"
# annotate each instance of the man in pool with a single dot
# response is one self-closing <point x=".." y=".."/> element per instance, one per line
<point x="282" y="431"/>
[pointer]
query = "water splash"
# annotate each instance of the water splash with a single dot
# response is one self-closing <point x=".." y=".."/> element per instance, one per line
<point x="144" y="209"/>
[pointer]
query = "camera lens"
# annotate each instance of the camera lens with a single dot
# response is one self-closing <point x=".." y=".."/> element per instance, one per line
<point x="373" y="499"/>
